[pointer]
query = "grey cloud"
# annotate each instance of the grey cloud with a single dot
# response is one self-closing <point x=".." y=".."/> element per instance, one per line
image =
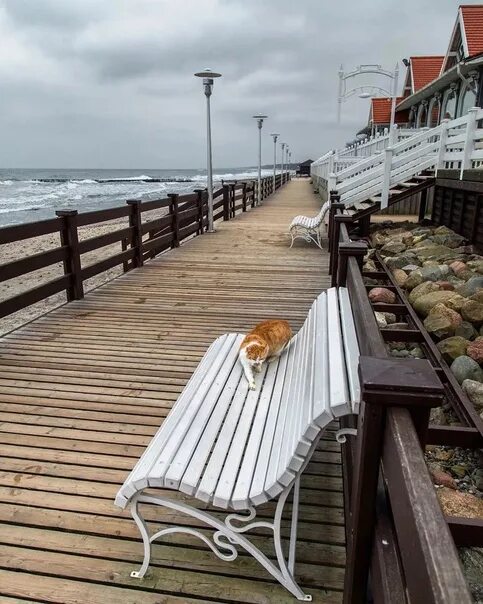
<point x="117" y="88"/>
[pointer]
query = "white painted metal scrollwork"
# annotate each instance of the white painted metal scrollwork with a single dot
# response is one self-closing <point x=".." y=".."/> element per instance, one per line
<point x="226" y="550"/>
<point x="341" y="435"/>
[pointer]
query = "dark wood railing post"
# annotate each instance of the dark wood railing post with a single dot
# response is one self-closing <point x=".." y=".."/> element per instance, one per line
<point x="333" y="234"/>
<point x="137" y="235"/>
<point x="69" y="237"/>
<point x="199" y="205"/>
<point x="254" y="193"/>
<point x="334" y="198"/>
<point x="232" y="200"/>
<point x="357" y="249"/>
<point x="335" y="252"/>
<point x="244" y="197"/>
<point x="226" y="202"/>
<point x="173" y="210"/>
<point x="423" y="200"/>
<point x="384" y="383"/>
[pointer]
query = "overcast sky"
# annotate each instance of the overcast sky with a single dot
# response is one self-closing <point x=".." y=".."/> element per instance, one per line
<point x="109" y="84"/>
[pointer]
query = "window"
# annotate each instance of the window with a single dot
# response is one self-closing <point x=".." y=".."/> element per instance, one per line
<point x="422" y="116"/>
<point x="449" y="105"/>
<point x="467" y="100"/>
<point x="433" y="112"/>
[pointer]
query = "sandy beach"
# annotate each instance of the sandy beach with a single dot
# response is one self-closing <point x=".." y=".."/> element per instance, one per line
<point x="28" y="247"/>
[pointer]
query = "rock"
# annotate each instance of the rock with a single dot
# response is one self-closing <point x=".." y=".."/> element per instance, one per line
<point x="421" y="290"/>
<point x="441" y="477"/>
<point x="474" y="391"/>
<point x="456" y="503"/>
<point x="437" y="416"/>
<point x="434" y="273"/>
<point x="466" y="331"/>
<point x="393" y="262"/>
<point x="442" y="454"/>
<point x="423" y="304"/>
<point x="369" y="266"/>
<point x="442" y="321"/>
<point x="452" y="348"/>
<point x="433" y="251"/>
<point x="399" y="276"/>
<point x="381" y="294"/>
<point x="457" y="266"/>
<point x="451" y="240"/>
<point x="475" y="350"/>
<point x="417" y="352"/>
<point x="401" y="354"/>
<point x="478" y="296"/>
<point x="458" y="471"/>
<point x="380" y="319"/>
<point x="398" y="326"/>
<point x="390" y="317"/>
<point x="378" y="239"/>
<point x="476" y="265"/>
<point x="471" y="286"/>
<point x="443" y="230"/>
<point x="369" y="281"/>
<point x="472" y="561"/>
<point x="465" y="368"/>
<point x="393" y="248"/>
<point x="455" y="302"/>
<point x="409" y="268"/>
<point x="445" y="285"/>
<point x="415" y="278"/>
<point x="472" y="311"/>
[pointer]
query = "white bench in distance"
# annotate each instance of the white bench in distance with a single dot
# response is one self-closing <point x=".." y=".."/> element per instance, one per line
<point x="237" y="448"/>
<point x="307" y="228"/>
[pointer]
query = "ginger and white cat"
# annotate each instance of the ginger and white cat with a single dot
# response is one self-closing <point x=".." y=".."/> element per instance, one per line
<point x="265" y="342"/>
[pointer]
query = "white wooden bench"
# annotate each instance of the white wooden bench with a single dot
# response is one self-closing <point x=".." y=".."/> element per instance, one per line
<point x="307" y="228"/>
<point x="236" y="448"/>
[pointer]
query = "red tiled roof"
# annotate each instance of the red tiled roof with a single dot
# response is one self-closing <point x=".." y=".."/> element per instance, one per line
<point x="473" y="24"/>
<point x="425" y="70"/>
<point x="381" y="111"/>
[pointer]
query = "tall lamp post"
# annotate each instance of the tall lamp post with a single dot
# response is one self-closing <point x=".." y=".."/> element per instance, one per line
<point x="259" y="117"/>
<point x="275" y="137"/>
<point x="287" y="168"/>
<point x="208" y="77"/>
<point x="281" y="166"/>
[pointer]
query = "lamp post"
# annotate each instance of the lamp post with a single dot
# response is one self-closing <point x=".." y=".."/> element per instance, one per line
<point x="281" y="166"/>
<point x="208" y="77"/>
<point x="286" y="160"/>
<point x="259" y="117"/>
<point x="290" y="158"/>
<point x="275" y="137"/>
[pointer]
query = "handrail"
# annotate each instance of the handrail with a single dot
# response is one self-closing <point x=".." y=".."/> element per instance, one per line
<point x="139" y="241"/>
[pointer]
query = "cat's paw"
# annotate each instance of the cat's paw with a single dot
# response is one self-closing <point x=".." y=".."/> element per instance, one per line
<point x="252" y="386"/>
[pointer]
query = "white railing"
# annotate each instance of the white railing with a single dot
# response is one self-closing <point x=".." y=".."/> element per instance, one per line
<point x="456" y="144"/>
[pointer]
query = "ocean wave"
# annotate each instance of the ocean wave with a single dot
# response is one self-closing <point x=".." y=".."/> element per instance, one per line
<point x="7" y="183"/>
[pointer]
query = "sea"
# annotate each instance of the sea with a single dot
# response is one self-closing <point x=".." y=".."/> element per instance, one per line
<point x="28" y="195"/>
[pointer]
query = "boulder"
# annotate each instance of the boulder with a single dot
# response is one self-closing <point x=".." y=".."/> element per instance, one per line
<point x="451" y="240"/>
<point x="382" y="294"/>
<point x="475" y="350"/>
<point x="399" y="276"/>
<point x="457" y="266"/>
<point x="452" y="348"/>
<point x="399" y="261"/>
<point x="423" y="304"/>
<point x="393" y="248"/>
<point x="434" y="272"/>
<point x="455" y="302"/>
<point x="472" y="311"/>
<point x="445" y="285"/>
<point x="422" y="289"/>
<point x="442" y="321"/>
<point x="369" y="266"/>
<point x="380" y="320"/>
<point x="415" y="278"/>
<point x="433" y="251"/>
<point x="476" y="265"/>
<point x="474" y="391"/>
<point x="466" y="331"/>
<point x="472" y="286"/>
<point x="478" y="297"/>
<point x="378" y="239"/>
<point x="465" y="368"/>
<point x="409" y="268"/>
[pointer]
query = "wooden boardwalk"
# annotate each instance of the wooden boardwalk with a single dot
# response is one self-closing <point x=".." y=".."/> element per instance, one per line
<point x="83" y="389"/>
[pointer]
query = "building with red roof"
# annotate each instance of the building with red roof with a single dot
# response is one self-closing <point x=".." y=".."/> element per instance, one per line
<point x="439" y="86"/>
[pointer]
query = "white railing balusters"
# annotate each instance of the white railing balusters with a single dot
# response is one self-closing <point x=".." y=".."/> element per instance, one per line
<point x="469" y="140"/>
<point x="443" y="138"/>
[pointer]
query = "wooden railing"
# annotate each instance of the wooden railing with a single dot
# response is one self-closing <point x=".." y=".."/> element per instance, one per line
<point x="396" y="531"/>
<point x="186" y="216"/>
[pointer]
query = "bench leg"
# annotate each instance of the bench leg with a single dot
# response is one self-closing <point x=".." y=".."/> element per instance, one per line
<point x="227" y="535"/>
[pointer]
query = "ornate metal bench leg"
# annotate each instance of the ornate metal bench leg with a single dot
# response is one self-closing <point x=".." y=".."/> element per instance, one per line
<point x="341" y="435"/>
<point x="143" y="529"/>
<point x="293" y="526"/>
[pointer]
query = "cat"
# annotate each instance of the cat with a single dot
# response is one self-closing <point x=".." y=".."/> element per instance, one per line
<point x="265" y="342"/>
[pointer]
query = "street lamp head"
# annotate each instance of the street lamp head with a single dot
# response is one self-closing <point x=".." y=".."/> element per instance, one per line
<point x="365" y="95"/>
<point x="208" y="75"/>
<point x="259" y="117"/>
<point x="275" y="136"/>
